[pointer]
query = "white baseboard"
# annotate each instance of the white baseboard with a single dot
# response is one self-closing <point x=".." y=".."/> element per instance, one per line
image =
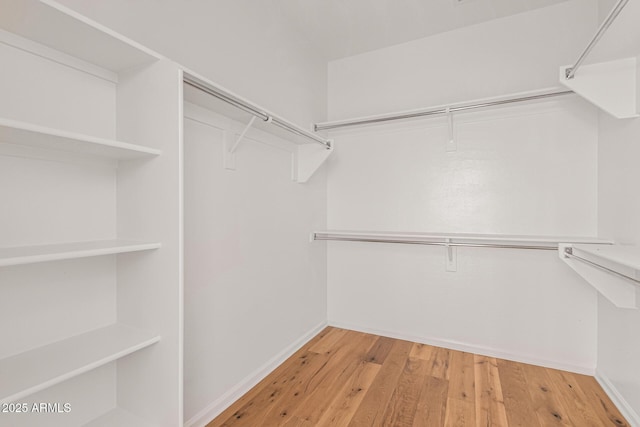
<point x="471" y="348"/>
<point x="616" y="397"/>
<point x="216" y="407"/>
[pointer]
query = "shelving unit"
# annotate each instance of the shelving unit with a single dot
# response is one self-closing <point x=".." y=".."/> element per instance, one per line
<point x="613" y="270"/>
<point x="28" y="134"/>
<point x="132" y="95"/>
<point x="43" y="253"/>
<point x="35" y="370"/>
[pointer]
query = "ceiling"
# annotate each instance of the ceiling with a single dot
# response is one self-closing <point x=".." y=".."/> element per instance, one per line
<point x="341" y="28"/>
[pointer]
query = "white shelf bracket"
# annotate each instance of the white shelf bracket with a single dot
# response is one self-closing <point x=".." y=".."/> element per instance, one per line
<point x="230" y="146"/>
<point x="308" y="159"/>
<point x="617" y="290"/>
<point x="452" y="257"/>
<point x="451" y="145"/>
<point x="610" y="86"/>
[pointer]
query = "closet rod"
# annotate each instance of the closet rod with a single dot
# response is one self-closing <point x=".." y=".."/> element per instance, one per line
<point x="571" y="72"/>
<point x="441" y="110"/>
<point x="568" y="253"/>
<point x="253" y="109"/>
<point x="422" y="242"/>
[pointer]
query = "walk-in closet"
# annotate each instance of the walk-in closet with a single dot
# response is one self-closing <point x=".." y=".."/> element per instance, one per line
<point x="319" y="213"/>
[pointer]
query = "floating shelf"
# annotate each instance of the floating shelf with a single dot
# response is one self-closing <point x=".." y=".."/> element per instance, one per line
<point x="35" y="370"/>
<point x="31" y="135"/>
<point x="43" y="253"/>
<point x="120" y="418"/>
<point x="53" y="25"/>
<point x="456" y="239"/>
<point x="613" y="270"/>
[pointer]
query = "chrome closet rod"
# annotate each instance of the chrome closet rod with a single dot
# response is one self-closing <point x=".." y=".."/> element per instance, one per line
<point x="571" y="72"/>
<point x="568" y="253"/>
<point x="423" y="113"/>
<point x="251" y="109"/>
<point x="421" y="242"/>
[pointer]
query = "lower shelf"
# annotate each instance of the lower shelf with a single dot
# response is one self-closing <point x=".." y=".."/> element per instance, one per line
<point x="26" y="373"/>
<point x="120" y="418"/>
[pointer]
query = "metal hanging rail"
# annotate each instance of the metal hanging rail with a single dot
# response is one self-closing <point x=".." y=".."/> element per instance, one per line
<point x="253" y="109"/>
<point x="568" y="253"/>
<point x="571" y="72"/>
<point x="436" y="111"/>
<point x="454" y="240"/>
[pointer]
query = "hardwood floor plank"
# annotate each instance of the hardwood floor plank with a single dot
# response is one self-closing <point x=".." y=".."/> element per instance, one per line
<point x="432" y="403"/>
<point x="490" y="410"/>
<point x="373" y="405"/>
<point x="461" y="376"/>
<point x="421" y="351"/>
<point x="328" y="340"/>
<point x="515" y="391"/>
<point x="401" y="408"/>
<point x="460" y="413"/>
<point x="380" y="350"/>
<point x="439" y="361"/>
<point x="545" y="400"/>
<point x="604" y="408"/>
<point x="348" y="399"/>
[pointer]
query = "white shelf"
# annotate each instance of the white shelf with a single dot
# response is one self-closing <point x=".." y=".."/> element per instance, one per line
<point x="43" y="367"/>
<point x="28" y="134"/>
<point x="60" y="28"/>
<point x="613" y="270"/>
<point x="625" y="256"/>
<point x="455" y="238"/>
<point x="43" y="253"/>
<point x="120" y="418"/>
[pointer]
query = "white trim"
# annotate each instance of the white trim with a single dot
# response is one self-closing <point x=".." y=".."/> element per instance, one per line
<point x="216" y="407"/>
<point x="37" y="49"/>
<point x="618" y="399"/>
<point x="471" y="348"/>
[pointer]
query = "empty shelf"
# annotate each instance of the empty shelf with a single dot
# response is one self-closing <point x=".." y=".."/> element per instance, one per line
<point x="118" y="417"/>
<point x="32" y="135"/>
<point x="60" y="28"/>
<point x="35" y="370"/>
<point x="42" y="253"/>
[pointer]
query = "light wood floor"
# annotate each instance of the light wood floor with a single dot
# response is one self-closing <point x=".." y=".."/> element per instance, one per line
<point x="346" y="378"/>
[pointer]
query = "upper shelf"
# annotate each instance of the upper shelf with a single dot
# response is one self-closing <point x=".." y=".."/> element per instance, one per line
<point x="53" y="25"/>
<point x="457" y="239"/>
<point x="28" y="134"/>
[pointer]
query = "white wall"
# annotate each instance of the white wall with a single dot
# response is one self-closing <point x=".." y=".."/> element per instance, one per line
<point x="243" y="45"/>
<point x="254" y="284"/>
<point x="527" y="169"/>
<point x="513" y="54"/>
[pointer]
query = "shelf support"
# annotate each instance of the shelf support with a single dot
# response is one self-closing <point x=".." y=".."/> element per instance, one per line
<point x="230" y="145"/>
<point x="308" y="159"/>
<point x="451" y="145"/>
<point x="452" y="256"/>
